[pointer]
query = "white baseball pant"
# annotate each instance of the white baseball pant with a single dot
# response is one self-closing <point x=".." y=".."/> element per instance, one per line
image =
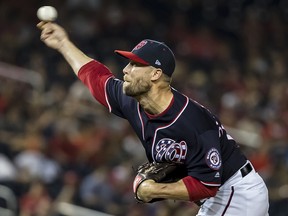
<point x="239" y="196"/>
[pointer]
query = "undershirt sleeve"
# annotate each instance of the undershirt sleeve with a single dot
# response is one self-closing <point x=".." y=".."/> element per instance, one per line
<point x="197" y="191"/>
<point x="95" y="76"/>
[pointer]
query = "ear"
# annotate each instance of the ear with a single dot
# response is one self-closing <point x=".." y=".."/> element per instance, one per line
<point x="156" y="74"/>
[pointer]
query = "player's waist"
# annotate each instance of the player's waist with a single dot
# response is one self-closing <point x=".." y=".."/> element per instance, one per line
<point x="233" y="164"/>
<point x="246" y="169"/>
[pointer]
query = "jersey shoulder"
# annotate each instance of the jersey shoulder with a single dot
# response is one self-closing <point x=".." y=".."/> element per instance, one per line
<point x="198" y="115"/>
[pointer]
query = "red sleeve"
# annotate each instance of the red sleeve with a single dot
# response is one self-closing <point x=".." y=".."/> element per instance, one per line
<point x="95" y="76"/>
<point x="197" y="190"/>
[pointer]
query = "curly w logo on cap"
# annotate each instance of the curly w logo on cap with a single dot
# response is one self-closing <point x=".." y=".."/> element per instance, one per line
<point x="140" y="45"/>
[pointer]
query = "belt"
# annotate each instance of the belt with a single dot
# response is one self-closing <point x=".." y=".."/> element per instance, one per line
<point x="246" y="169"/>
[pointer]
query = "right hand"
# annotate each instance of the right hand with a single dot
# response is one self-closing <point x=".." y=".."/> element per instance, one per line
<point x="52" y="34"/>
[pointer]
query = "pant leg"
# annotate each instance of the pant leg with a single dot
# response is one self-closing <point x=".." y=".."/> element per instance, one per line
<point x="246" y="196"/>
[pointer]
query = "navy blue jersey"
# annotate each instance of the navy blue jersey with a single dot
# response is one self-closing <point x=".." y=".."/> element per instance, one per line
<point x="186" y="132"/>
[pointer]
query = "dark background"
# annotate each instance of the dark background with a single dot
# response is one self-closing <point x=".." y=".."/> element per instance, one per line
<point x="57" y="144"/>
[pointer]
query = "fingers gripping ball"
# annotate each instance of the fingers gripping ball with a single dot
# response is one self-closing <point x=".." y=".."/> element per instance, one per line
<point x="160" y="173"/>
<point x="47" y="13"/>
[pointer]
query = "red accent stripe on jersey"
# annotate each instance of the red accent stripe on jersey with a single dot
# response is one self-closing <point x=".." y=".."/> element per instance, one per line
<point x="210" y="184"/>
<point x="141" y="120"/>
<point x="95" y="76"/>
<point x="168" y="125"/>
<point x="106" y="97"/>
<point x="150" y="116"/>
<point x="229" y="201"/>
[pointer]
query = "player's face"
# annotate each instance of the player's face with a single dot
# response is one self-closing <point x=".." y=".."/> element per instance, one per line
<point x="136" y="79"/>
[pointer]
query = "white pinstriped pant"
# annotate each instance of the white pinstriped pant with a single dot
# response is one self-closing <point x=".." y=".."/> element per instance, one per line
<point x="239" y="196"/>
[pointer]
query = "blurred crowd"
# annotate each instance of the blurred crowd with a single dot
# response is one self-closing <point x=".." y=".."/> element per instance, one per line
<point x="57" y="144"/>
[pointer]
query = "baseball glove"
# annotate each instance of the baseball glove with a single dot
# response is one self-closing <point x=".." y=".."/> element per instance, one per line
<point x="159" y="172"/>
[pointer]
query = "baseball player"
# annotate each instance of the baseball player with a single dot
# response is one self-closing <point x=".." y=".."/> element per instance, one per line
<point x="172" y="128"/>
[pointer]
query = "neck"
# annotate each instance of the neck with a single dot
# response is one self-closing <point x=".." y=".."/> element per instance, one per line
<point x="155" y="102"/>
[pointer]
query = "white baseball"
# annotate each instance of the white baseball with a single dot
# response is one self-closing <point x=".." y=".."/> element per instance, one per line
<point x="47" y="13"/>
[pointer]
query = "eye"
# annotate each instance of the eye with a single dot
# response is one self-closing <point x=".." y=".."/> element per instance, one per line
<point x="133" y="63"/>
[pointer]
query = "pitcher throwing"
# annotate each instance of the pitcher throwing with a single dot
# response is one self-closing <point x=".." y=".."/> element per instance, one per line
<point x="172" y="128"/>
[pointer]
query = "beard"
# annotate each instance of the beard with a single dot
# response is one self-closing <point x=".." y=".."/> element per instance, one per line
<point x="136" y="88"/>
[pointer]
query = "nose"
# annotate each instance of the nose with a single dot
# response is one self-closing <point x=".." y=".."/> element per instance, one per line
<point x="126" y="69"/>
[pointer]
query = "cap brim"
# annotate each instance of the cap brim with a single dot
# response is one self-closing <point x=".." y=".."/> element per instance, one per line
<point x="131" y="56"/>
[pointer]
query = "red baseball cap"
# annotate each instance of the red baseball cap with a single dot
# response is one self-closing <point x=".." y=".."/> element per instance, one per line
<point x="154" y="53"/>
